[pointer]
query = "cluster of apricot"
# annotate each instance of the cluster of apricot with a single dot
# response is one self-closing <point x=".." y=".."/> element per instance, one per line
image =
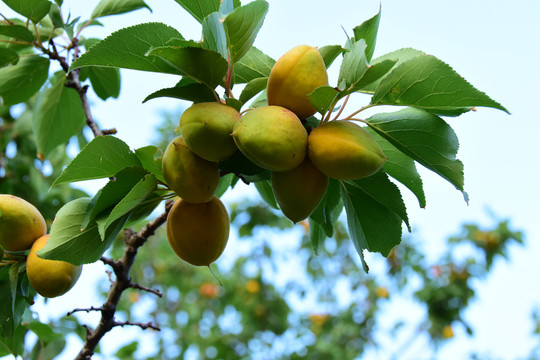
<point x="273" y="137"/>
<point x="23" y="228"/>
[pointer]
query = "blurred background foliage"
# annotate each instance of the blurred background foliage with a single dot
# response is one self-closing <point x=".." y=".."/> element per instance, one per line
<point x="272" y="296"/>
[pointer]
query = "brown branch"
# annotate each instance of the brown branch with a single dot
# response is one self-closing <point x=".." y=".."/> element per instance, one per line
<point x="121" y="268"/>
<point x="74" y="83"/>
<point x="91" y="308"/>
<point x="143" y="288"/>
<point x="148" y="325"/>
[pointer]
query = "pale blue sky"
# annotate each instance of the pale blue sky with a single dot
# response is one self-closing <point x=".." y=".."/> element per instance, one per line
<point x="495" y="45"/>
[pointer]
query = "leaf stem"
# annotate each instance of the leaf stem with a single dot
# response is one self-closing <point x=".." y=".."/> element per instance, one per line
<point x="350" y="117"/>
<point x="342" y="107"/>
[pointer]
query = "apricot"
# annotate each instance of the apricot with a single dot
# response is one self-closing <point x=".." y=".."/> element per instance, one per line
<point x="343" y="150"/>
<point x="207" y="128"/>
<point x="192" y="178"/>
<point x="299" y="191"/>
<point x="50" y="278"/>
<point x="272" y="137"/>
<point x="294" y="76"/>
<point x="198" y="233"/>
<point x="20" y="223"/>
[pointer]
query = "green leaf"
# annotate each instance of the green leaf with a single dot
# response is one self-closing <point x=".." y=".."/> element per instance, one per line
<point x="329" y="53"/>
<point x="34" y="10"/>
<point x="105" y="81"/>
<point x="205" y="66"/>
<point x="372" y="226"/>
<point x="329" y="208"/>
<point x="323" y="97"/>
<point x="150" y="158"/>
<point x="19" y="82"/>
<point x="115" y="7"/>
<point x="200" y="9"/>
<point x="242" y="26"/>
<point x="375" y="72"/>
<point x="227" y="6"/>
<point x="103" y="157"/>
<point x="425" y="138"/>
<point x="353" y="67"/>
<point x="214" y="35"/>
<point x="127" y="48"/>
<point x="58" y="115"/>
<point x="8" y="56"/>
<point x="44" y="332"/>
<point x="134" y="197"/>
<point x="401" y="167"/>
<point x="398" y="56"/>
<point x="113" y="192"/>
<point x="368" y="31"/>
<point x="254" y="64"/>
<point x="316" y="235"/>
<point x="68" y="243"/>
<point x="127" y="351"/>
<point x="185" y="89"/>
<point x="383" y="191"/>
<point x="224" y="183"/>
<point x="264" y="188"/>
<point x="252" y="88"/>
<point x="427" y="82"/>
<point x="17" y="32"/>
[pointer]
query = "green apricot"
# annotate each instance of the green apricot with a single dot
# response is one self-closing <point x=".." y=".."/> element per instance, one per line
<point x="272" y="137"/>
<point x="198" y="233"/>
<point x="20" y="223"/>
<point x="300" y="190"/>
<point x="343" y="150"/>
<point x="193" y="178"/>
<point x="50" y="278"/>
<point x="294" y="76"/>
<point x="207" y="128"/>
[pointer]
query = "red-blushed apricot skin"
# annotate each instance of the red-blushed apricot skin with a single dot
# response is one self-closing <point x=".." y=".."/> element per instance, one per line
<point x="198" y="233"/>
<point x="300" y="190"/>
<point x="192" y="178"/>
<point x="343" y="150"/>
<point x="272" y="137"/>
<point x="21" y="223"/>
<point x="207" y="127"/>
<point x="50" y="278"/>
<point x="294" y="76"/>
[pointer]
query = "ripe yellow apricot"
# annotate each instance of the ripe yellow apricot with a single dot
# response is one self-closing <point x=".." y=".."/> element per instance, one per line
<point x="299" y="191"/>
<point x="294" y="76"/>
<point x="50" y="278"/>
<point x="192" y="178"/>
<point x="343" y="150"/>
<point x="198" y="233"/>
<point x="20" y="223"/>
<point x="272" y="137"/>
<point x="207" y="128"/>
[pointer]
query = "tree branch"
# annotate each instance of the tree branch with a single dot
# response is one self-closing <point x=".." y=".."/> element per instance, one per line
<point x="74" y="83"/>
<point x="121" y="268"/>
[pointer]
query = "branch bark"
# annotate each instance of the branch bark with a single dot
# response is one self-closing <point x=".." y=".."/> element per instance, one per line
<point x="121" y="269"/>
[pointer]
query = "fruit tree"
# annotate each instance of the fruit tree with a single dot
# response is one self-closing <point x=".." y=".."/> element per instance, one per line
<point x="284" y="126"/>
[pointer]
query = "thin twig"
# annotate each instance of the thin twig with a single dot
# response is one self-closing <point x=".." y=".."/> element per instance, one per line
<point x="148" y="325"/>
<point x="143" y="288"/>
<point x="91" y="308"/>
